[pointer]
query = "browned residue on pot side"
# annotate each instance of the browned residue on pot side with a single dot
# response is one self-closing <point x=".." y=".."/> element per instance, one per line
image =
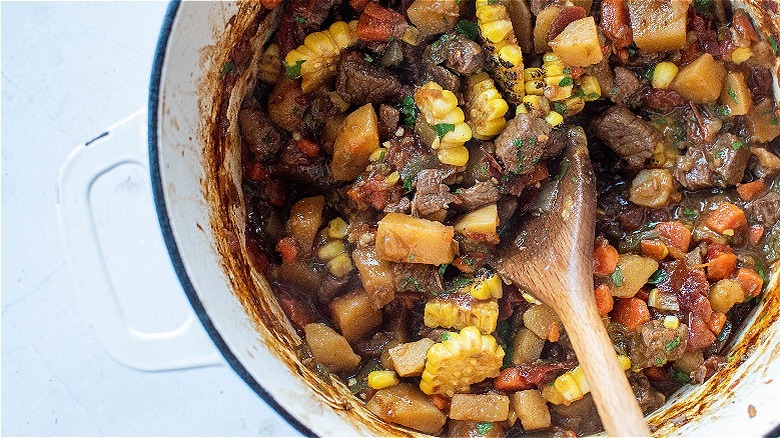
<point x="241" y="44"/>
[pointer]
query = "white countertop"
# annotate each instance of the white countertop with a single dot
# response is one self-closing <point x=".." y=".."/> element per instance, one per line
<point x="68" y="71"/>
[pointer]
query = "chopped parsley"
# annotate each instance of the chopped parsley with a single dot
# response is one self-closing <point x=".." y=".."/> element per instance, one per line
<point x="445" y="336"/>
<point x="299" y="19"/>
<point x="407" y="185"/>
<point x="565" y="82"/>
<point x="679" y="376"/>
<point x="773" y="43"/>
<point x="617" y="277"/>
<point x="724" y="332"/>
<point x="444" y="39"/>
<point x="649" y="72"/>
<point x="227" y="68"/>
<point x="737" y="145"/>
<point x="658" y="276"/>
<point x="671" y="345"/>
<point x="760" y="271"/>
<point x="732" y="94"/>
<point x="564" y="168"/>
<point x="593" y="95"/>
<point x="293" y="71"/>
<point x="443" y="268"/>
<point x="409" y="110"/>
<point x="441" y="129"/>
<point x="659" y="361"/>
<point x="483" y="427"/>
<point x="468" y="29"/>
<point x="567" y="70"/>
<point x="560" y="107"/>
<point x="704" y="7"/>
<point x="689" y="213"/>
<point x="723" y="110"/>
<point x="368" y="58"/>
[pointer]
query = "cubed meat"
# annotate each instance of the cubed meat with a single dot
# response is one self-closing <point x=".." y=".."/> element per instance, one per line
<point x="522" y="143"/>
<point x="359" y="81"/>
<point x="628" y="135"/>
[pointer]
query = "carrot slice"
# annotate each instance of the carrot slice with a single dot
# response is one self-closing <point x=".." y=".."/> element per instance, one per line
<point x="750" y="191"/>
<point x="750" y="281"/>
<point x="654" y="248"/>
<point x="631" y="312"/>
<point x="604" y="301"/>
<point x="726" y="216"/>
<point x="555" y="332"/>
<point x="676" y="234"/>
<point x="605" y="259"/>
<point x="288" y="249"/>
<point x="716" y="323"/>
<point x="722" y="266"/>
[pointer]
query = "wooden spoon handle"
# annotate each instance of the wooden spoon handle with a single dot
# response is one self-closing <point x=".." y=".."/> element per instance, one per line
<point x="618" y="408"/>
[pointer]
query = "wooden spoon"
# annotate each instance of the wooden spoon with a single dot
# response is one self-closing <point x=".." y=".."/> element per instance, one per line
<point x="551" y="258"/>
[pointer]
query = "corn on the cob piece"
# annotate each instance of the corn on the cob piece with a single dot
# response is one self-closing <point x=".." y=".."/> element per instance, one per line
<point x="440" y="109"/>
<point x="572" y="385"/>
<point x="485" y="107"/>
<point x="455" y="312"/>
<point x="505" y="56"/>
<point x="487" y="287"/>
<point x="315" y="60"/>
<point x="333" y="252"/>
<point x="460" y="360"/>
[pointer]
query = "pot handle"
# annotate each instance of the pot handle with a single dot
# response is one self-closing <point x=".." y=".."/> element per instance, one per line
<point x="184" y="347"/>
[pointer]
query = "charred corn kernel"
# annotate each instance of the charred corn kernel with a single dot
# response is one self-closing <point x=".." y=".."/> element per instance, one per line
<point x="533" y="73"/>
<point x="382" y="379"/>
<point x="392" y="178"/>
<point x="487" y="287"/>
<point x="530" y="298"/>
<point x="567" y="387"/>
<point x="741" y="54"/>
<point x="460" y="360"/>
<point x="590" y="87"/>
<point x="663" y="74"/>
<point x="624" y="361"/>
<point x="450" y="313"/>
<point x="340" y="265"/>
<point x="579" y="378"/>
<point x="574" y="105"/>
<point x="440" y="106"/>
<point x="551" y="394"/>
<point x="505" y="56"/>
<point x="671" y="322"/>
<point x="317" y="57"/>
<point x="377" y="155"/>
<point x="485" y="107"/>
<point x="554" y="68"/>
<point x="455" y="156"/>
<point x="553" y="118"/>
<point x="536" y="104"/>
<point x="558" y="87"/>
<point x="535" y="87"/>
<point x="337" y="228"/>
<point x="331" y="250"/>
<point x="270" y="65"/>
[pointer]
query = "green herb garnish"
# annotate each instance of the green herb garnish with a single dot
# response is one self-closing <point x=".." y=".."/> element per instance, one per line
<point x="443" y="268"/>
<point x="679" y="376"/>
<point x="441" y="129"/>
<point x="445" y="336"/>
<point x="658" y="276"/>
<point x="564" y="168"/>
<point x="617" y="277"/>
<point x="737" y="145"/>
<point x="773" y="43"/>
<point x="368" y="58"/>
<point x="483" y="427"/>
<point x="732" y="94"/>
<point x="724" y="332"/>
<point x="444" y="39"/>
<point x="723" y="110"/>
<point x="468" y="29"/>
<point x="593" y="95"/>
<point x="689" y="213"/>
<point x="409" y="110"/>
<point x="560" y="107"/>
<point x="704" y="7"/>
<point x="293" y="71"/>
<point x="566" y="81"/>
<point x="299" y="19"/>
<point x="671" y="345"/>
<point x="226" y="69"/>
<point x="659" y="361"/>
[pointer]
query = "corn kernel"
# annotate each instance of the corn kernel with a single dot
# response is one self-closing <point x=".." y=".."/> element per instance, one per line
<point x="392" y="178"/>
<point x="530" y="298"/>
<point x="459" y="135"/>
<point x="486" y="288"/>
<point x="382" y="379"/>
<point x="411" y="36"/>
<point x="532" y="73"/>
<point x="343" y="34"/>
<point x="321" y="43"/>
<point x="496" y="31"/>
<point x="663" y="74"/>
<point x="741" y="54"/>
<point x="337" y="228"/>
<point x="624" y="361"/>
<point x="535" y="87"/>
<point x="590" y="87"/>
<point x="553" y="118"/>
<point x="567" y="387"/>
<point x="574" y="105"/>
<point x="330" y="250"/>
<point x="491" y="12"/>
<point x="453" y="117"/>
<point x="340" y="265"/>
<point x="455" y="156"/>
<point x="511" y="54"/>
<point x="550" y="57"/>
<point x="555" y="68"/>
<point x="671" y="322"/>
<point x="552" y="395"/>
<point x="579" y="377"/>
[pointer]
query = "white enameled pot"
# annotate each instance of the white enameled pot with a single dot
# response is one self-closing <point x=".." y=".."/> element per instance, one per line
<point x="194" y="163"/>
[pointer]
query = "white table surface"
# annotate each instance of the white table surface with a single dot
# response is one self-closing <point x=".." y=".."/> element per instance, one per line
<point x="68" y="71"/>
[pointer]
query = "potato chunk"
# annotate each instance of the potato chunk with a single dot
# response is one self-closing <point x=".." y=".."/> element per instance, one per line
<point x="480" y="224"/>
<point x="653" y="188"/>
<point x="542" y="28"/>
<point x="479" y="407"/>
<point x="531" y="409"/>
<point x="762" y="122"/>
<point x="631" y="274"/>
<point x="402" y="238"/>
<point x="409" y="359"/>
<point x="434" y="16"/>
<point x="406" y="405"/>
<point x="330" y="348"/>
<point x="736" y="94"/>
<point x="724" y="294"/>
<point x="376" y="275"/>
<point x="701" y="81"/>
<point x="539" y="320"/>
<point x="578" y="45"/>
<point x="658" y="25"/>
<point x="526" y="347"/>
<point x="305" y="220"/>
<point x="357" y="138"/>
<point x="354" y="315"/>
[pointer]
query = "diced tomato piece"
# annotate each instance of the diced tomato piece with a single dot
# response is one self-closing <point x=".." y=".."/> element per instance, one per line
<point x="256" y="172"/>
<point x="377" y="23"/>
<point x="441" y="402"/>
<point x="308" y="147"/>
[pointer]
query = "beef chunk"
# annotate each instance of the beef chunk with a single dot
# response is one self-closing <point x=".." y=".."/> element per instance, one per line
<point x="417" y="277"/>
<point x="463" y="55"/>
<point x="388" y="121"/>
<point x="301" y="17"/>
<point x="626" y="87"/>
<point x="431" y="196"/>
<point x="522" y="143"/>
<point x="628" y="135"/>
<point x="653" y="344"/>
<point x="481" y="193"/>
<point x="603" y="74"/>
<point x="556" y="143"/>
<point x="309" y="172"/>
<point x="649" y="399"/>
<point x="360" y="81"/>
<point x="765" y="209"/>
<point x="720" y="163"/>
<point x="444" y="77"/>
<point x="706" y="370"/>
<point x="580" y="416"/>
<point x="262" y="137"/>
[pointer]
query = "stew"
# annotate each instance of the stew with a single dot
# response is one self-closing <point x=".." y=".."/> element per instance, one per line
<point x="389" y="147"/>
